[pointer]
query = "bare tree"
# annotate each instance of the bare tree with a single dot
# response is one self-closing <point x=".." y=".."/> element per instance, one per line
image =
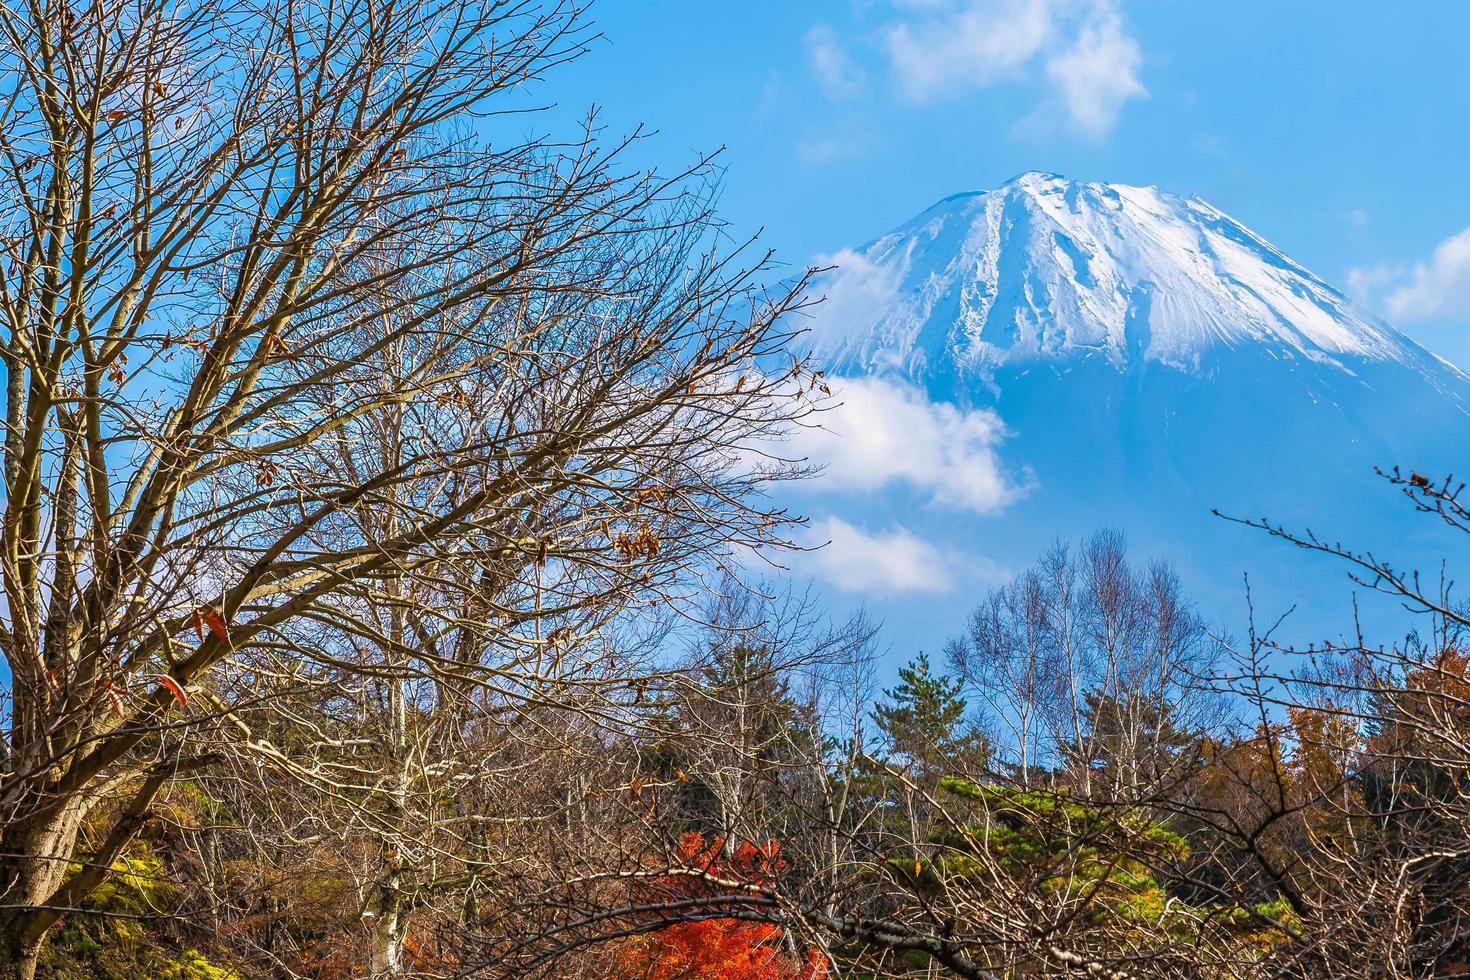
<point x="1346" y="808"/>
<point x="741" y="722"/>
<point x="1092" y="666"/>
<point x="319" y="381"/>
<point x="1007" y="656"/>
<point x="731" y="756"/>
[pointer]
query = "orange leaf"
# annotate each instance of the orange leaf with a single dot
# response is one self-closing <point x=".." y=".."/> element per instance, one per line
<point x="208" y="617"/>
<point x="275" y="345"/>
<point x="114" y="694"/>
<point x="176" y="689"/>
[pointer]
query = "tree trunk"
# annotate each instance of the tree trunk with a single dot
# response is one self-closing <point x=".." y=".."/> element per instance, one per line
<point x="390" y="929"/>
<point x="18" y="956"/>
<point x="38" y="850"/>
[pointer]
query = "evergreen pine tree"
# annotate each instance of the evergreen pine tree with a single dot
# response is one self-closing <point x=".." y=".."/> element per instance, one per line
<point x="731" y="747"/>
<point x="924" y="727"/>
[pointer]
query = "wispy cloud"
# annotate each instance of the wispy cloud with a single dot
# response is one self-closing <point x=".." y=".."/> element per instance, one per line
<point x="835" y="71"/>
<point x="1366" y="283"/>
<point x="1207" y="144"/>
<point x="948" y="48"/>
<point x="854" y="294"/>
<point x="836" y="142"/>
<point x="1439" y="286"/>
<point x="884" y="432"/>
<point x="1082" y="48"/>
<point x="878" y="563"/>
<point x="1097" y="73"/>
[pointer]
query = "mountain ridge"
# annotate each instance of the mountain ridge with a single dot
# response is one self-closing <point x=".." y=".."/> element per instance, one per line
<point x="1043" y="268"/>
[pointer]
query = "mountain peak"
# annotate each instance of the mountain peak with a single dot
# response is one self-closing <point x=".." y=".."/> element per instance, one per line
<point x="1036" y="180"/>
<point x="1045" y="268"/>
<point x="1036" y="176"/>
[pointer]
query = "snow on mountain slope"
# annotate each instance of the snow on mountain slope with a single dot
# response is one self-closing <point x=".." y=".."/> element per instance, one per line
<point x="1146" y="359"/>
<point x="1044" y="268"/>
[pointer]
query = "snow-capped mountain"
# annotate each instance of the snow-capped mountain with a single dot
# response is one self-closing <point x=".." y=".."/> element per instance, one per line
<point x="1045" y="268"/>
<point x="1151" y="359"/>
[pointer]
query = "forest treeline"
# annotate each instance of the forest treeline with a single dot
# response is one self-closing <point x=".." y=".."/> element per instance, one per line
<point x="387" y="493"/>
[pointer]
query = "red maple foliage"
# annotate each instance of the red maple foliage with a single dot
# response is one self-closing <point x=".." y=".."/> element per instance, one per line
<point x="716" y="948"/>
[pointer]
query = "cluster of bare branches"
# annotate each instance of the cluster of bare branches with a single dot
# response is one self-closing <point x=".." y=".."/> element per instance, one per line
<point x="341" y="423"/>
<point x="1163" y="801"/>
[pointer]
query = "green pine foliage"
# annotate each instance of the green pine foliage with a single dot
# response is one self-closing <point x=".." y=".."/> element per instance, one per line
<point x="923" y="724"/>
<point x="1062" y="844"/>
<point x="1065" y="847"/>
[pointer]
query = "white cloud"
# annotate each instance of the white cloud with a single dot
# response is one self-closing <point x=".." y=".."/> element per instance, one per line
<point x="1438" y="287"/>
<point x="949" y="47"/>
<point x="955" y="47"/>
<point x="839" y="77"/>
<point x="1366" y="283"/>
<point x="1097" y="74"/>
<point x="884" y="432"/>
<point x="856" y="291"/>
<point x="883" y="563"/>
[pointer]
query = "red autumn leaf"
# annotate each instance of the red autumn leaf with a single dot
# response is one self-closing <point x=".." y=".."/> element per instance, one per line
<point x="176" y="689"/>
<point x="724" y="948"/>
<point x="208" y="617"/>
<point x="114" y="694"/>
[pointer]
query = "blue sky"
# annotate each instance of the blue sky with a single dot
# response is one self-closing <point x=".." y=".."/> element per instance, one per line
<point x="1335" y="130"/>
